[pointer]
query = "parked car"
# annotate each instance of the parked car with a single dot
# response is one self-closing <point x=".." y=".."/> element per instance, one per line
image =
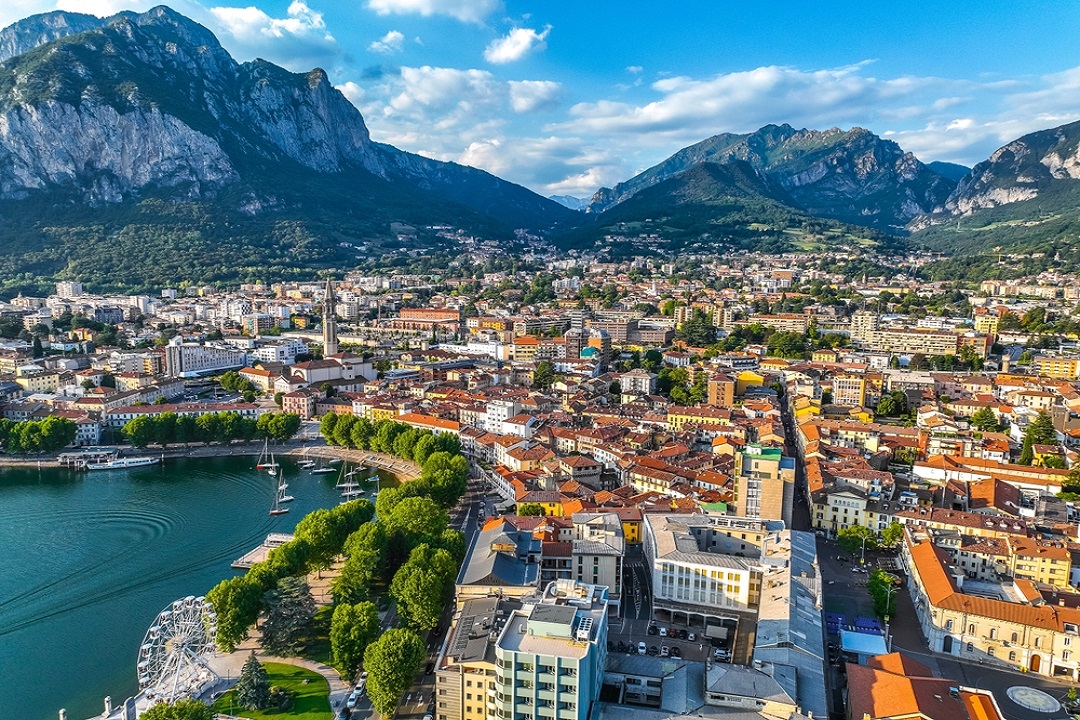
<point x="641" y="650"/>
<point x="351" y="702"/>
<point x="691" y="636"/>
<point x="653" y="651"/>
<point x="675" y="651"/>
<point x="653" y="630"/>
<point x="665" y="651"/>
<point x="663" y="632"/>
<point x="430" y="668"/>
<point x="682" y="634"/>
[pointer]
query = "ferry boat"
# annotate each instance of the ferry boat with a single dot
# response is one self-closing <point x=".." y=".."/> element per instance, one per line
<point x="122" y="463"/>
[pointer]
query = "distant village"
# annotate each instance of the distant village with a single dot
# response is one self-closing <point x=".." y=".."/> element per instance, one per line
<point x="723" y="437"/>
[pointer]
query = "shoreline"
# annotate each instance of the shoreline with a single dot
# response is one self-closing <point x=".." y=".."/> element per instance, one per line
<point x="404" y="470"/>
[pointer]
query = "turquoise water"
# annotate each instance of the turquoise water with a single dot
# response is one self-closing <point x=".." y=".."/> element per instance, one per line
<point x="89" y="559"/>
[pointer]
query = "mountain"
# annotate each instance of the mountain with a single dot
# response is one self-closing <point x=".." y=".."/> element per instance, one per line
<point x="1024" y="200"/>
<point x="36" y="30"/>
<point x="853" y="175"/>
<point x="948" y="170"/>
<point x="711" y="205"/>
<point x="574" y="203"/>
<point x="99" y="121"/>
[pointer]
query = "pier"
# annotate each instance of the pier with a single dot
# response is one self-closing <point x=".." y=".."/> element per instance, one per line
<point x="259" y="554"/>
<point x="79" y="459"/>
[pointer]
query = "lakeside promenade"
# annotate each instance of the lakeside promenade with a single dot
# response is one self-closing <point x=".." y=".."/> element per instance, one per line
<point x="403" y="469"/>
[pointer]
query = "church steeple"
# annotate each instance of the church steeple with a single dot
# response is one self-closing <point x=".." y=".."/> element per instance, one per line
<point x="329" y="322"/>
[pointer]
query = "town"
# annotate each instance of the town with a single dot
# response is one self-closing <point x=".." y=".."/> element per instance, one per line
<point x="750" y="488"/>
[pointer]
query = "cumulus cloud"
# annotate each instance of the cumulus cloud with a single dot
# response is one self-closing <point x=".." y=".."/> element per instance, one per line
<point x="471" y="11"/>
<point x="297" y="41"/>
<point x="353" y="92"/>
<point x="389" y="43"/>
<point x="532" y="95"/>
<point x="516" y="45"/>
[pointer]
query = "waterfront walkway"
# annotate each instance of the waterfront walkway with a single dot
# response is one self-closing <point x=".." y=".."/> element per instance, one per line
<point x="403" y="469"/>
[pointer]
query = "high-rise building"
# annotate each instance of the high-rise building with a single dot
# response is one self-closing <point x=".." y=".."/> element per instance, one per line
<point x="69" y="289"/>
<point x="329" y="322"/>
<point x="539" y="657"/>
<point x="764" y="483"/>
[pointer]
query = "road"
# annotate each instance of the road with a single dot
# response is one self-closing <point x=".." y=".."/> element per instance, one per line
<point x="416" y="699"/>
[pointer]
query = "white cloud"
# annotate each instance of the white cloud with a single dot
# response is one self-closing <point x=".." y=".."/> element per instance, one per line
<point x="389" y="43"/>
<point x="441" y="88"/>
<point x="471" y="11"/>
<point x="531" y="95"/>
<point x="634" y="69"/>
<point x="516" y="45"/>
<point x="297" y="41"/>
<point x="353" y="92"/>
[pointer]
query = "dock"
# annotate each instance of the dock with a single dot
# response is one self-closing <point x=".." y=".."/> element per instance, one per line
<point x="259" y="554"/>
<point x="79" y="459"/>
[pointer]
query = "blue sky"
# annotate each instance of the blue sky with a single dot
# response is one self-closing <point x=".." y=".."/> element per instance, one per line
<point x="565" y="97"/>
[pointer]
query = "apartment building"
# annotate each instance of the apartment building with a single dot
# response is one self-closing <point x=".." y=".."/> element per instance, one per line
<point x="764" y="483"/>
<point x="535" y="658"/>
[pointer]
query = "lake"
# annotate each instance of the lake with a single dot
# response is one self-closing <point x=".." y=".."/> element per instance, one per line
<point x="91" y="558"/>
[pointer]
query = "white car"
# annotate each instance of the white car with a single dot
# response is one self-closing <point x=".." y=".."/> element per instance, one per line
<point x="641" y="648"/>
<point x="663" y="632"/>
<point x="353" y="699"/>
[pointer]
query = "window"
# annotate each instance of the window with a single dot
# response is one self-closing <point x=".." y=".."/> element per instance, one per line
<point x="971" y="629"/>
<point x="948" y="624"/>
<point x="1012" y="656"/>
<point x="993" y="633"/>
<point x="970" y="647"/>
<point x="990" y="652"/>
<point x="1015" y="637"/>
<point x="1064" y="654"/>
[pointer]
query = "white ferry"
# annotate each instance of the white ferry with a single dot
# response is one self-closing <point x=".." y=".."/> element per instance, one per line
<point x="122" y="463"/>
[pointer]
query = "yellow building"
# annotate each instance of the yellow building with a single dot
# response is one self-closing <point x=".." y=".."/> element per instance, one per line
<point x="1059" y="368"/>
<point x="701" y="415"/>
<point x="748" y="379"/>
<point x="987" y="324"/>
<point x="849" y="390"/>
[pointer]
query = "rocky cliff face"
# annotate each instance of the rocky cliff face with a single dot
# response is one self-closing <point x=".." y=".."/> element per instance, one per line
<point x="152" y="101"/>
<point x="36" y="30"/>
<point x="1019" y="171"/>
<point x="850" y="175"/>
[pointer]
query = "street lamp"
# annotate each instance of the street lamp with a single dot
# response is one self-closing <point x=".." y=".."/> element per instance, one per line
<point x="888" y="606"/>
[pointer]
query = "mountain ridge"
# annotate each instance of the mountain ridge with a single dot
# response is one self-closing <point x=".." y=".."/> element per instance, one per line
<point x="849" y="175"/>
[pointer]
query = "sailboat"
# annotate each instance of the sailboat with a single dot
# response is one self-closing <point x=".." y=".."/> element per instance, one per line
<point x="266" y="458"/>
<point x="273" y="466"/>
<point x="280" y="497"/>
<point x="323" y="470"/>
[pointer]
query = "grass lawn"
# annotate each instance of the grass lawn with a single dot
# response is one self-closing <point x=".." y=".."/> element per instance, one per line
<point x="311" y="700"/>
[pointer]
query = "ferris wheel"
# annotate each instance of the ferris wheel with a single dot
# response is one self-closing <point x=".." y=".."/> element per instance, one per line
<point x="173" y="656"/>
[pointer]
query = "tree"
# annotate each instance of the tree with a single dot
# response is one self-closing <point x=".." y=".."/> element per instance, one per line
<point x="892" y="535"/>
<point x="290" y="608"/>
<point x="38" y="350"/>
<point x="326" y="427"/>
<point x="352" y="629"/>
<point x="852" y="538"/>
<point x="391" y="663"/>
<point x="322" y="530"/>
<point x="883" y="591"/>
<point x="423" y="448"/>
<point x="1039" y="431"/>
<point x="139" y="430"/>
<point x="365" y="551"/>
<point x="422" y="585"/>
<point x="544" y="375"/>
<point x="253" y="687"/>
<point x="236" y="602"/>
<point x="698" y="330"/>
<point x="530" y="509"/>
<point x="412" y="521"/>
<point x="186" y="709"/>
<point x="918" y="362"/>
<point x="447" y="477"/>
<point x="984" y="419"/>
